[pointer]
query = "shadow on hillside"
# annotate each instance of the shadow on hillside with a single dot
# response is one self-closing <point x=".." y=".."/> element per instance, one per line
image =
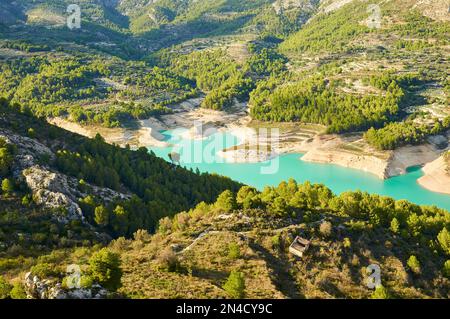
<point x="282" y="279"/>
<point x="215" y="276"/>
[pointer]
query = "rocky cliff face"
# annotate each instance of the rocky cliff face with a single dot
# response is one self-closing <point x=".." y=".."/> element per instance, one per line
<point x="282" y="6"/>
<point x="53" y="191"/>
<point x="48" y="289"/>
<point x="49" y="187"/>
<point x="410" y="156"/>
<point x="365" y="163"/>
<point x="434" y="9"/>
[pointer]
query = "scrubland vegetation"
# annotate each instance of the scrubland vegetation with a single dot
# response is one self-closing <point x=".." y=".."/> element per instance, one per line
<point x="182" y="234"/>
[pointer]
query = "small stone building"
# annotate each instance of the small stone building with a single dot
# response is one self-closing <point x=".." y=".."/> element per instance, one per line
<point x="299" y="246"/>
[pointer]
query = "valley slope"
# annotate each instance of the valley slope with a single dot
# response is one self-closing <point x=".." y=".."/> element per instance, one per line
<point x="338" y="89"/>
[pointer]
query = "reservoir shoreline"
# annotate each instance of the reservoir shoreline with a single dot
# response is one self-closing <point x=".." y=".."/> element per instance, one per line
<point x="339" y="179"/>
<point x="307" y="141"/>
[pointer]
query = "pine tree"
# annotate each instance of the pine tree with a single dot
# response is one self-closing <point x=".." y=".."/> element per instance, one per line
<point x="446" y="269"/>
<point x="18" y="292"/>
<point x="5" y="288"/>
<point x="380" y="293"/>
<point x="444" y="240"/>
<point x="234" y="251"/>
<point x="7" y="186"/>
<point x="101" y="215"/>
<point x="246" y="196"/>
<point x="104" y="268"/>
<point x="235" y="285"/>
<point x="395" y="225"/>
<point x="226" y="201"/>
<point x="414" y="264"/>
<point x="6" y="159"/>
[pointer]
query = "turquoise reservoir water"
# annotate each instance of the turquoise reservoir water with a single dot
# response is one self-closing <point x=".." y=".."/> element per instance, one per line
<point x="201" y="154"/>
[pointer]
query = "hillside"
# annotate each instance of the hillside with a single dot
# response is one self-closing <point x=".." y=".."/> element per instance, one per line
<point x="246" y="237"/>
<point x="340" y="87"/>
<point x="192" y="255"/>
<point x="72" y="176"/>
<point x="57" y="209"/>
<point x="286" y="61"/>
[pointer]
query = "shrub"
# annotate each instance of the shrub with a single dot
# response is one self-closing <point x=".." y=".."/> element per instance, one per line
<point x="165" y="225"/>
<point x="446" y="269"/>
<point x="414" y="264"/>
<point x="101" y="215"/>
<point x="168" y="260"/>
<point x="39" y="237"/>
<point x="142" y="235"/>
<point x="200" y="210"/>
<point x="358" y="226"/>
<point x="325" y="229"/>
<point x="44" y="159"/>
<point x="276" y="241"/>
<point x="104" y="268"/>
<point x="5" y="288"/>
<point x="26" y="200"/>
<point x="444" y="240"/>
<point x="82" y="185"/>
<point x="18" y="291"/>
<point x="181" y="221"/>
<point x="120" y="244"/>
<point x="234" y="251"/>
<point x="7" y="186"/>
<point x="380" y="293"/>
<point x="347" y="242"/>
<point x="31" y="133"/>
<point x="355" y="260"/>
<point x="86" y="282"/>
<point x="6" y="158"/>
<point x="235" y="285"/>
<point x="10" y="263"/>
<point x="395" y="226"/>
<point x="44" y="270"/>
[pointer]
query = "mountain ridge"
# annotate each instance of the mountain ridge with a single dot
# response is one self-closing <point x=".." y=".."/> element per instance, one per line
<point x="138" y="226"/>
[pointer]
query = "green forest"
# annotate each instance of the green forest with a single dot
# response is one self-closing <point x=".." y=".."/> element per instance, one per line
<point x="158" y="188"/>
<point x="398" y="134"/>
<point x="138" y="226"/>
<point x="315" y="101"/>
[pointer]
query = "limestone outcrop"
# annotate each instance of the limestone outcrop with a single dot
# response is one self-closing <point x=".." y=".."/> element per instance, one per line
<point x="50" y="289"/>
<point x="49" y="187"/>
